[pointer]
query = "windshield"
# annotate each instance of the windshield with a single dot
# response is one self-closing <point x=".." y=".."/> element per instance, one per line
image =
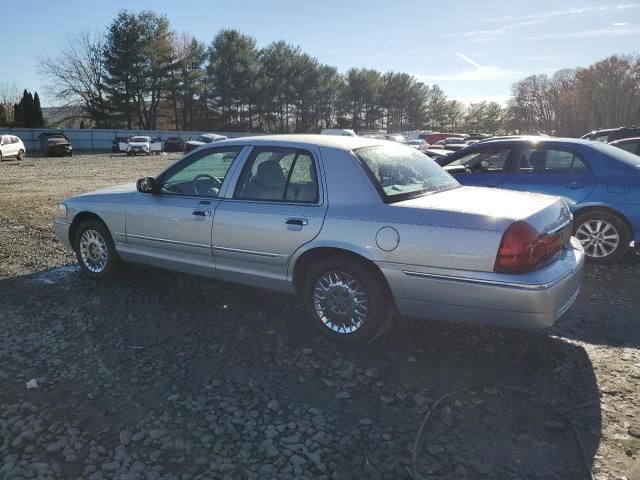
<point x="139" y="139"/>
<point x="401" y="172"/>
<point x="619" y="154"/>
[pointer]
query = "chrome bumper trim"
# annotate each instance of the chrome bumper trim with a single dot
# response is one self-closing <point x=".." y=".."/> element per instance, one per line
<point x="493" y="283"/>
<point x="164" y="240"/>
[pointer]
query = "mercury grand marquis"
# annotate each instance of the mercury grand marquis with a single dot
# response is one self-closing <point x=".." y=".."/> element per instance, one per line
<point x="361" y="229"/>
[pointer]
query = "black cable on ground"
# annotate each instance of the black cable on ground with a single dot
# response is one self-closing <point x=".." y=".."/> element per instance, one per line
<point x="521" y="391"/>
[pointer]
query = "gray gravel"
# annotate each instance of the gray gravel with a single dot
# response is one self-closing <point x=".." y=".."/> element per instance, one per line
<point x="157" y="375"/>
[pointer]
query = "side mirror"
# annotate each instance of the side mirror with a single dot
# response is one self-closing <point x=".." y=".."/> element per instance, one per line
<point x="146" y="185"/>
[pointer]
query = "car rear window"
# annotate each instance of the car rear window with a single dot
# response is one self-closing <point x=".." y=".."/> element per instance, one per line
<point x="400" y="172"/>
<point x="619" y="154"/>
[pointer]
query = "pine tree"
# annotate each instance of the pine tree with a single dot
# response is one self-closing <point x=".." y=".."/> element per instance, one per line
<point x="37" y="120"/>
<point x="3" y="116"/>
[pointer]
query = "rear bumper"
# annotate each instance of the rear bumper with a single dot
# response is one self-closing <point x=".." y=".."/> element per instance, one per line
<point x="529" y="301"/>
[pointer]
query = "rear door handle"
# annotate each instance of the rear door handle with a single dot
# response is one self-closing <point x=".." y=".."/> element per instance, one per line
<point x="202" y="213"/>
<point x="296" y="221"/>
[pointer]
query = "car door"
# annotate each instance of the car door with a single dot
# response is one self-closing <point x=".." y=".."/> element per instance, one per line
<point x="172" y="227"/>
<point x="483" y="166"/>
<point x="554" y="170"/>
<point x="276" y="206"/>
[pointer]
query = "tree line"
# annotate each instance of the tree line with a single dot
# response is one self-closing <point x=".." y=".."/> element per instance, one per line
<point x="26" y="112"/>
<point x="142" y="74"/>
<point x="572" y="102"/>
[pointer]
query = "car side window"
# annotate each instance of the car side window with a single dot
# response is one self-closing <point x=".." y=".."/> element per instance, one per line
<point x="550" y="160"/>
<point x="14" y="140"/>
<point x="278" y="175"/>
<point x="201" y="174"/>
<point x="484" y="160"/>
<point x="633" y="147"/>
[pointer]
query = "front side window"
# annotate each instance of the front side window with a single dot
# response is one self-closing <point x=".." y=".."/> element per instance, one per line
<point x="200" y="175"/>
<point x="483" y="160"/>
<point x="400" y="172"/>
<point x="278" y="175"/>
<point x="550" y="160"/>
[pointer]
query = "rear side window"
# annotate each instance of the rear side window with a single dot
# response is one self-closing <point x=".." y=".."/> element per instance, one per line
<point x="14" y="140"/>
<point x="278" y="175"/>
<point x="630" y="146"/>
<point x="550" y="160"/>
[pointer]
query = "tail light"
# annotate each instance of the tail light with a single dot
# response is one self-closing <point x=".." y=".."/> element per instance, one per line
<point x="523" y="249"/>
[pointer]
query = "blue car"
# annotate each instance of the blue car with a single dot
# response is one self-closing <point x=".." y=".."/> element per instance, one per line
<point x="601" y="184"/>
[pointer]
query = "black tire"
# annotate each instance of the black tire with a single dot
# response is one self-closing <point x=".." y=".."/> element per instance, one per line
<point x="112" y="260"/>
<point x="616" y="222"/>
<point x="71" y="154"/>
<point x="20" y="154"/>
<point x="380" y="308"/>
<point x="1" y="159"/>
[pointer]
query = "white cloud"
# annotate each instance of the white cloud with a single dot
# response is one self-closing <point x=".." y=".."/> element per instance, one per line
<point x="478" y="73"/>
<point x="618" y="31"/>
<point x="619" y="24"/>
<point x="534" y="19"/>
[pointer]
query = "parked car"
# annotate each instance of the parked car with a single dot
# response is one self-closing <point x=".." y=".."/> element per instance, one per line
<point x="454" y="143"/>
<point x="415" y="143"/>
<point x="435" y="137"/>
<point x="202" y="140"/>
<point x="140" y="144"/>
<point x="435" y="154"/>
<point x="55" y="143"/>
<point x="395" y="137"/>
<point x="173" y="144"/>
<point x="119" y="144"/>
<point x="600" y="182"/>
<point x="11" y="147"/>
<point x="338" y="131"/>
<point x="477" y="136"/>
<point x="359" y="228"/>
<point x="612" y="134"/>
<point x="629" y="144"/>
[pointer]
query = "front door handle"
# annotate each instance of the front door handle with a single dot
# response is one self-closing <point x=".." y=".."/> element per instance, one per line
<point x="202" y="213"/>
<point x="575" y="186"/>
<point x="300" y="222"/>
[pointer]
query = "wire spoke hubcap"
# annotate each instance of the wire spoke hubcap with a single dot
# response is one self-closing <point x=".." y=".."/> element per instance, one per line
<point x="341" y="302"/>
<point x="598" y="237"/>
<point x="93" y="251"/>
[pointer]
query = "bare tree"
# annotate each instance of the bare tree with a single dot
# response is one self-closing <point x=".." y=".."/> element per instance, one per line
<point x="9" y="96"/>
<point x="76" y="77"/>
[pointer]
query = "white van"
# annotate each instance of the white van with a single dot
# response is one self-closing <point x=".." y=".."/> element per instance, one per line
<point x="343" y="132"/>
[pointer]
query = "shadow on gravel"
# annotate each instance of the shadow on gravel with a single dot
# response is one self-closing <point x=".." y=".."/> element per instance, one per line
<point x="607" y="311"/>
<point x="154" y="351"/>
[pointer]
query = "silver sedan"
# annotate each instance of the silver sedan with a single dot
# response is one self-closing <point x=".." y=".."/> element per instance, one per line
<point x="360" y="228"/>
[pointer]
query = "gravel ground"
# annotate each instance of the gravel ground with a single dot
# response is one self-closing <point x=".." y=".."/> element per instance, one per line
<point x="161" y="375"/>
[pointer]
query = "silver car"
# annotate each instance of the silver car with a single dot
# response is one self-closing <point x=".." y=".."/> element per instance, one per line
<point x="360" y="228"/>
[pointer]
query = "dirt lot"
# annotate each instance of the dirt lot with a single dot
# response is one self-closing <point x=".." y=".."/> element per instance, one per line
<point x="159" y="375"/>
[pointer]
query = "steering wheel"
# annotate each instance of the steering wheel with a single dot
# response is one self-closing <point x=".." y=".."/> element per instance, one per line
<point x="204" y="176"/>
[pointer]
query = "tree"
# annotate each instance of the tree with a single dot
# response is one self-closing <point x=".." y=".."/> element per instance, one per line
<point x="76" y="77"/>
<point x="37" y="118"/>
<point x="232" y="70"/>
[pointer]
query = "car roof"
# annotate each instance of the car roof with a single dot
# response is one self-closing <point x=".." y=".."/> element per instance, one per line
<point x="625" y="140"/>
<point x="303" y="140"/>
<point x="536" y="139"/>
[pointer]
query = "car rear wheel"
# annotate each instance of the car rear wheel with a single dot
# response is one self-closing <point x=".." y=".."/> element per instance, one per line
<point x="604" y="236"/>
<point x="20" y="154"/>
<point x="95" y="250"/>
<point x="346" y="302"/>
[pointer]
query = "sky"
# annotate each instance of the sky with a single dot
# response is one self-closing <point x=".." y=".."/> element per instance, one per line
<point x="473" y="50"/>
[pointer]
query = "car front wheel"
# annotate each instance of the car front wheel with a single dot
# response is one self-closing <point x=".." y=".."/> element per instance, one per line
<point x="20" y="155"/>
<point x="604" y="236"/>
<point x="95" y="250"/>
<point x="346" y="302"/>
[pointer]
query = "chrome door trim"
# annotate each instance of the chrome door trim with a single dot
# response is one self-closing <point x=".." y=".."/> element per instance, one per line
<point x="248" y="252"/>
<point x="493" y="283"/>
<point x="165" y="240"/>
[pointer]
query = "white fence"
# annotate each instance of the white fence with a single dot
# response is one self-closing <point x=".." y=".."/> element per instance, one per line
<point x="101" y="139"/>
